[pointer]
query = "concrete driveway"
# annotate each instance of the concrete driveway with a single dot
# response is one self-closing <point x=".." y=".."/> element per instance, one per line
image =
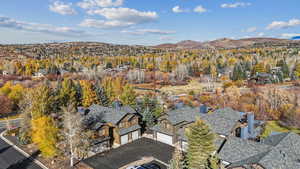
<point x="129" y="153"/>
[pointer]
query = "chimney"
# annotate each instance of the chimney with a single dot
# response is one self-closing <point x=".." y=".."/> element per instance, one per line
<point x="117" y="104"/>
<point x="179" y="105"/>
<point x="244" y="132"/>
<point x="203" y="109"/>
<point x="250" y="121"/>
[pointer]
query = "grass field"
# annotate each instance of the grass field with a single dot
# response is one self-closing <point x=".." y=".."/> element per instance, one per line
<point x="274" y="126"/>
<point x="194" y="86"/>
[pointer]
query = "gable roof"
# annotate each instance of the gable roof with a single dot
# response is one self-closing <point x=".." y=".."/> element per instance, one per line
<point x="277" y="151"/>
<point x="104" y="115"/>
<point x="220" y="121"/>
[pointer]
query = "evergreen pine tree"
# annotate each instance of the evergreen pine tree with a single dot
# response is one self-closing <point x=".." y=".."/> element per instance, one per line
<point x="101" y="95"/>
<point x="284" y="68"/>
<point x="200" y="145"/>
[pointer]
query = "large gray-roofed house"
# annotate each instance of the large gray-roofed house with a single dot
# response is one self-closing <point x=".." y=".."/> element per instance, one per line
<point x="115" y="126"/>
<point x="280" y="151"/>
<point x="171" y="125"/>
<point x="108" y="114"/>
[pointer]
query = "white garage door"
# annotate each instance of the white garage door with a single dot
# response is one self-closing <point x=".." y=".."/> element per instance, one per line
<point x="164" y="138"/>
<point x="184" y="145"/>
<point x="135" y="135"/>
<point x="124" y="139"/>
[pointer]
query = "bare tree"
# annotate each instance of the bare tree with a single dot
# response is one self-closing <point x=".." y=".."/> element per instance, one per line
<point x="181" y="72"/>
<point x="72" y="126"/>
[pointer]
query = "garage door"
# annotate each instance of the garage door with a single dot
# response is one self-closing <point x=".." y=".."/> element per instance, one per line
<point x="164" y="138"/>
<point x="135" y="135"/>
<point x="124" y="139"/>
<point x="184" y="145"/>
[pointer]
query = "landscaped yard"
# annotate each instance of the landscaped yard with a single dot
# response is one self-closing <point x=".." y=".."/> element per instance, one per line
<point x="274" y="126"/>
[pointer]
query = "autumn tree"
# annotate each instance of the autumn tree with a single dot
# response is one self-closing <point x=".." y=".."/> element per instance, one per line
<point x="45" y="135"/>
<point x="89" y="96"/>
<point x="128" y="95"/>
<point x="200" y="145"/>
<point x="6" y="106"/>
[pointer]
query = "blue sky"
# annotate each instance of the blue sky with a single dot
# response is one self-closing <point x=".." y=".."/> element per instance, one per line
<point x="146" y="22"/>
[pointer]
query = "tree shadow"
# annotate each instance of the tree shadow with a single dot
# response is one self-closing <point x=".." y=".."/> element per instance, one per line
<point x="4" y="149"/>
<point x="26" y="162"/>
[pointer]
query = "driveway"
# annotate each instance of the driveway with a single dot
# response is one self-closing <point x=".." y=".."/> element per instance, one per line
<point x="12" y="159"/>
<point x="131" y="152"/>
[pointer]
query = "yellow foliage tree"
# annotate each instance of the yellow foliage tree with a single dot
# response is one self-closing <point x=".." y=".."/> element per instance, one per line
<point x="89" y="96"/>
<point x="44" y="134"/>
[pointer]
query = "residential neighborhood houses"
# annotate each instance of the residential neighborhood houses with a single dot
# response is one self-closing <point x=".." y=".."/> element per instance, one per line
<point x="237" y="143"/>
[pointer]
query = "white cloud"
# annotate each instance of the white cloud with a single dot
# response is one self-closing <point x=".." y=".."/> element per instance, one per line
<point x="261" y="34"/>
<point x="177" y="9"/>
<point x="250" y="30"/>
<point x="166" y="38"/>
<point x="149" y="31"/>
<point x="62" y="8"/>
<point x="104" y="24"/>
<point x="7" y="22"/>
<point x="125" y="14"/>
<point x="235" y="5"/>
<point x="282" y="24"/>
<point x="119" y="17"/>
<point x="289" y="35"/>
<point x="200" y="9"/>
<point x="87" y="4"/>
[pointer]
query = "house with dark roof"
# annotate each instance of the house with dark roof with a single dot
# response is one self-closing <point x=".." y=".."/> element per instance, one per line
<point x="280" y="151"/>
<point x="171" y="125"/>
<point x="112" y="126"/>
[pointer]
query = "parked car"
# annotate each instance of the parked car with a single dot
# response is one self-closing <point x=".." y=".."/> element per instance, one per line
<point x="145" y="166"/>
<point x="135" y="167"/>
<point x="151" y="166"/>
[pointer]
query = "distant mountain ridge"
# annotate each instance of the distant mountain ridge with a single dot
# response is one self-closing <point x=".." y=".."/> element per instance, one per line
<point x="229" y="43"/>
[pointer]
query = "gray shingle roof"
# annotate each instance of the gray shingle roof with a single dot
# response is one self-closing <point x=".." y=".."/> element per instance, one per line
<point x="220" y="121"/>
<point x="129" y="129"/>
<point x="237" y="149"/>
<point x="108" y="114"/>
<point x="278" y="151"/>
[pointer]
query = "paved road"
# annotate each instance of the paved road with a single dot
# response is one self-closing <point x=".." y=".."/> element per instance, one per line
<point x="12" y="159"/>
<point x="13" y="123"/>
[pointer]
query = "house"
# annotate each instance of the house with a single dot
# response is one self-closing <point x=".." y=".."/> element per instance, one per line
<point x="280" y="151"/>
<point x="4" y="72"/>
<point x="262" y="78"/>
<point x="41" y="73"/>
<point x="112" y="126"/>
<point x="171" y="125"/>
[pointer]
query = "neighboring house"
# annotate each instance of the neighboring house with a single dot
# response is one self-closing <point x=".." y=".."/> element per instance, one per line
<point x="41" y="73"/>
<point x="112" y="126"/>
<point x="281" y="151"/>
<point x="4" y="72"/>
<point x="262" y="78"/>
<point x="171" y="125"/>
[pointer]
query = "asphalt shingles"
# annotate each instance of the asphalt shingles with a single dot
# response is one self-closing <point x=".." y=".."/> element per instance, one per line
<point x="131" y="152"/>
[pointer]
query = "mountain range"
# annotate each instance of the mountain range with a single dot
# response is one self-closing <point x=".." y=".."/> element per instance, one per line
<point x="229" y="43"/>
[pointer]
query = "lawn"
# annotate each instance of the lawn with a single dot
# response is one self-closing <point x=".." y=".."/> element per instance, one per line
<point x="274" y="126"/>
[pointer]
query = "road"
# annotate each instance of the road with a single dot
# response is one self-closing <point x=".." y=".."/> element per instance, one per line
<point x="13" y="123"/>
<point x="12" y="159"/>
